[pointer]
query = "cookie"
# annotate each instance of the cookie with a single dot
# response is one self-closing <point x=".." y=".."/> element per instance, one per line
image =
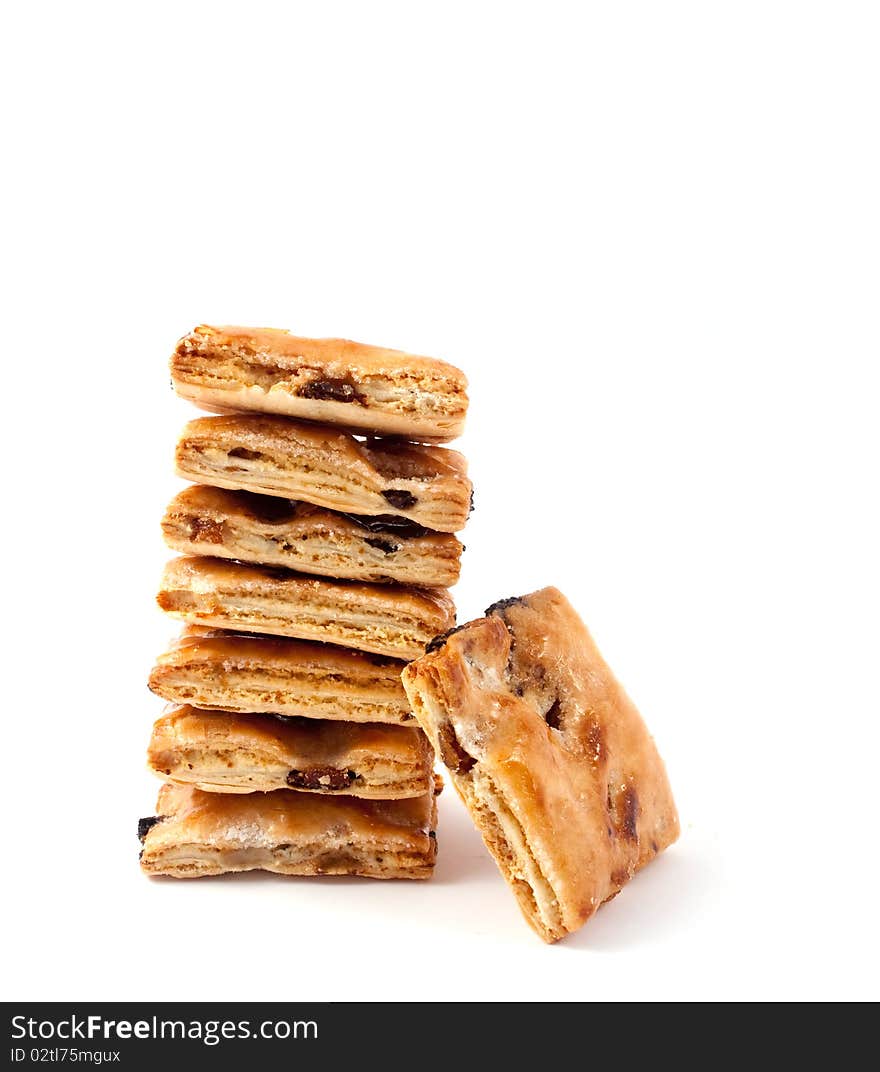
<point x="267" y="530"/>
<point x="195" y="834"/>
<point x="384" y="619"/>
<point x="226" y="671"/>
<point x="332" y="380"/>
<point x="220" y="752"/>
<point x="549" y="754"/>
<point x="329" y="468"/>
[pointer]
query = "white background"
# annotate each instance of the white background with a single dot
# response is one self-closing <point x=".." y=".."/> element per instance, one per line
<point x="649" y="233"/>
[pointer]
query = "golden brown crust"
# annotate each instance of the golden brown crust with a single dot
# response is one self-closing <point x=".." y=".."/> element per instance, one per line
<point x="195" y="834"/>
<point x="550" y="755"/>
<point x="244" y="753"/>
<point x="337" y="381"/>
<point x="321" y="465"/>
<point x="227" y="671"/>
<point x="381" y="618"/>
<point x="267" y="530"/>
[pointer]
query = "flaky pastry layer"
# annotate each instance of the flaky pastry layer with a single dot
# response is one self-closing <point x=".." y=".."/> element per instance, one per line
<point x="332" y="380"/>
<point x="244" y="753"/>
<point x="195" y="834"/>
<point x="549" y="754"/>
<point x="227" y="671"/>
<point x="381" y="618"/>
<point x="329" y="468"/>
<point x="267" y="530"/>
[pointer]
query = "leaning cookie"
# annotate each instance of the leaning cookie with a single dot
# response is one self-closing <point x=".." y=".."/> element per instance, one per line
<point x="267" y="530"/>
<point x="549" y="754"/>
<point x="220" y="752"/>
<point x="195" y="834"/>
<point x="381" y="618"/>
<point x="334" y="380"/>
<point x="226" y="671"/>
<point x="329" y="468"/>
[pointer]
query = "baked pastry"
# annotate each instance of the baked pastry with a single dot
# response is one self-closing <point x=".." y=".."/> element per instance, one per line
<point x="195" y="834"/>
<point x="332" y="380"/>
<point x="321" y="465"/>
<point x="279" y="532"/>
<point x="549" y="754"/>
<point x="220" y="752"/>
<point x="382" y="618"/>
<point x="227" y="671"/>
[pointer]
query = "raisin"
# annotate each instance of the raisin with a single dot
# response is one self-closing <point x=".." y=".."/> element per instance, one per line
<point x="146" y="825"/>
<point x="321" y="778"/>
<point x="451" y="751"/>
<point x="623" y="808"/>
<point x="503" y="604"/>
<point x="382" y="545"/>
<point x="399" y="498"/>
<point x="440" y="640"/>
<point x="390" y="523"/>
<point x="330" y="391"/>
<point x="630" y="814"/>
<point x="205" y="530"/>
<point x="552" y="718"/>
<point x="267" y="508"/>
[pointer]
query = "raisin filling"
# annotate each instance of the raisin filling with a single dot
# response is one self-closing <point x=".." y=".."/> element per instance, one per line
<point x="552" y="718"/>
<point x="399" y="498"/>
<point x="440" y="640"/>
<point x="146" y="825"/>
<point x="451" y="751"/>
<point x="386" y="546"/>
<point x="330" y="391"/>
<point x="623" y="808"/>
<point x="267" y="508"/>
<point x="205" y="530"/>
<point x="630" y="814"/>
<point x="390" y="523"/>
<point x="503" y="604"/>
<point x="321" y="778"/>
<point x="243" y="452"/>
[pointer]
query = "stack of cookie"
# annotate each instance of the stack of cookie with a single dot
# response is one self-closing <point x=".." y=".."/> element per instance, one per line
<point x="319" y="544"/>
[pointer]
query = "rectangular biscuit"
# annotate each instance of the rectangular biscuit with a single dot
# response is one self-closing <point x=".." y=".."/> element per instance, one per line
<point x="381" y="618"/>
<point x="337" y="381"/>
<point x="220" y="752"/>
<point x="268" y="530"/>
<point x="221" y="670"/>
<point x="329" y="468"/>
<point x="549" y="754"/>
<point x="195" y="834"/>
